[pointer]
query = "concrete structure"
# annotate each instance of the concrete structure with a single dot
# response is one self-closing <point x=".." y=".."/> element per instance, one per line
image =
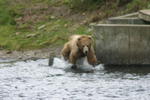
<point x="127" y="19"/>
<point x="123" y="40"/>
<point x="144" y="15"/>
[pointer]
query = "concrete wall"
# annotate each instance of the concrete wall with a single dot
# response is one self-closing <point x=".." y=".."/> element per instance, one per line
<point x="122" y="43"/>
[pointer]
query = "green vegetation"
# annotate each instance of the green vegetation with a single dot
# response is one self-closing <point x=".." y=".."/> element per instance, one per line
<point x="49" y="31"/>
<point x="6" y="17"/>
<point x="83" y="5"/>
<point x="136" y="5"/>
<point x="95" y="4"/>
<point x="32" y="24"/>
<point x="54" y="33"/>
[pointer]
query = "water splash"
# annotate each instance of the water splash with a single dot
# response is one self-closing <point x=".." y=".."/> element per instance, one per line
<point x="82" y="65"/>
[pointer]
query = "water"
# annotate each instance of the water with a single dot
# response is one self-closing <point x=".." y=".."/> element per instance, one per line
<point x="34" y="80"/>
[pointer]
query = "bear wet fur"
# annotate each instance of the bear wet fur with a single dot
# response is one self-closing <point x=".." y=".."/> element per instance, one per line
<point x="77" y="47"/>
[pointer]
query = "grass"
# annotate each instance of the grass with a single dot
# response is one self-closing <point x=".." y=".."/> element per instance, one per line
<point x="6" y="17"/>
<point x="84" y="5"/>
<point x="30" y="34"/>
<point x="52" y="33"/>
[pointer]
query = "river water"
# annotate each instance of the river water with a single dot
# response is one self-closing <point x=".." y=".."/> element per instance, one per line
<point x="35" y="80"/>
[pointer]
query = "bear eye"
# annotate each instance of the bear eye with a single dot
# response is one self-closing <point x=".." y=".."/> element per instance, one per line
<point x="90" y="38"/>
<point x="79" y="39"/>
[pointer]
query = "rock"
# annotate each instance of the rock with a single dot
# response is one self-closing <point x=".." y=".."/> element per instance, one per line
<point x="50" y="63"/>
<point x="83" y="14"/>
<point x="52" y="17"/>
<point x="31" y="35"/>
<point x="8" y="52"/>
<point x="41" y="27"/>
<point x="17" y="33"/>
<point x="65" y="25"/>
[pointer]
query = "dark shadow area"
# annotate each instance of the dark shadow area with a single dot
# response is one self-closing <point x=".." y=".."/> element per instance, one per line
<point x="79" y="70"/>
<point x="132" y="69"/>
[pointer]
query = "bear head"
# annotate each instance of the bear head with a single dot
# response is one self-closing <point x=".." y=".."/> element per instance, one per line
<point x="84" y="43"/>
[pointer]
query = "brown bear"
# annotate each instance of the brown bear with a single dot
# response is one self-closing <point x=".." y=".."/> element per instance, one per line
<point x="79" y="46"/>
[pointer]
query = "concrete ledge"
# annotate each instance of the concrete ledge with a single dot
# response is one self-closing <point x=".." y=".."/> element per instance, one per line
<point x="122" y="25"/>
<point x="127" y="15"/>
<point x="144" y="15"/>
<point x="127" y="19"/>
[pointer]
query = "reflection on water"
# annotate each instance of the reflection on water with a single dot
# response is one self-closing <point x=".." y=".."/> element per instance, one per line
<point x="34" y="80"/>
<point x="132" y="69"/>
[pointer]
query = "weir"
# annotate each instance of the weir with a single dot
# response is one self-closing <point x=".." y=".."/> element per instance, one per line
<point x="124" y="39"/>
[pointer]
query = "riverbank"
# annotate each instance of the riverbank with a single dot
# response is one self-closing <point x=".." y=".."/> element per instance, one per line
<point x="6" y="55"/>
<point x="38" y="28"/>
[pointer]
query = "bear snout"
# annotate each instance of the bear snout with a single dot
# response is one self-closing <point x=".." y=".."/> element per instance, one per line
<point x="85" y="50"/>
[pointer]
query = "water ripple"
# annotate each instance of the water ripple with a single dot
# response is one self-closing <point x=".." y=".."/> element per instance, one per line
<point x="34" y="80"/>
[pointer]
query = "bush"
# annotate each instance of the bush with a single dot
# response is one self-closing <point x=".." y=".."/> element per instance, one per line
<point x="136" y="5"/>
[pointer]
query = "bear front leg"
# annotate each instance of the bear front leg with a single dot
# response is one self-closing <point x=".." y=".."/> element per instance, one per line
<point x="92" y="60"/>
<point x="92" y="57"/>
<point x="73" y="59"/>
<point x="66" y="51"/>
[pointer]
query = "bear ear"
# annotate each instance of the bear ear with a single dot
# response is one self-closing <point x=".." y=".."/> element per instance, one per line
<point x="79" y="39"/>
<point x="90" y="37"/>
